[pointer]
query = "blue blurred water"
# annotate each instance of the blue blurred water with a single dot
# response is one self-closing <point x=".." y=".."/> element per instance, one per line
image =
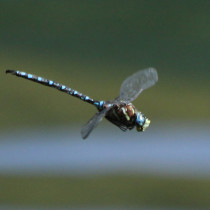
<point x="168" y="149"/>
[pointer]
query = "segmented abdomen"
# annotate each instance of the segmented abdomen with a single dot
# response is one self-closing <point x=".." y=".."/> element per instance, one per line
<point x="53" y="84"/>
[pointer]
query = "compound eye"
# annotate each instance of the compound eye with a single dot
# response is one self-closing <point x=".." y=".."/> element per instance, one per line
<point x="140" y="119"/>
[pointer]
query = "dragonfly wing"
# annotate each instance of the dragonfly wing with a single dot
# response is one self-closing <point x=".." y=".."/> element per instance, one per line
<point x="119" y="125"/>
<point x="136" y="83"/>
<point x="93" y="122"/>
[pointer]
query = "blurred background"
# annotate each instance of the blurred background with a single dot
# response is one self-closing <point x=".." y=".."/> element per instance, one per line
<point x="92" y="46"/>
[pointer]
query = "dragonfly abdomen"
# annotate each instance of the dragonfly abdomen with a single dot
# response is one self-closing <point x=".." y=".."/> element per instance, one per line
<point x="58" y="86"/>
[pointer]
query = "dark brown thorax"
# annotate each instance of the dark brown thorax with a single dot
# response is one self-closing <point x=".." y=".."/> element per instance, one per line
<point x="122" y="114"/>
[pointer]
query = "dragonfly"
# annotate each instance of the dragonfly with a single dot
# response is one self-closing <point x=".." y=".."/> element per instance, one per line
<point x="120" y="111"/>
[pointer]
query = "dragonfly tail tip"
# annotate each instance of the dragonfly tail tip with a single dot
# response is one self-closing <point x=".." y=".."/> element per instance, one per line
<point x="8" y="71"/>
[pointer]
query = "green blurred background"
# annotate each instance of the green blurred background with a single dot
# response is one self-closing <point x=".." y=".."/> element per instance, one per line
<point x="92" y="46"/>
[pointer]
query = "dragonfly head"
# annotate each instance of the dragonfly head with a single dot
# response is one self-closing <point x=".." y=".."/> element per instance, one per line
<point x="141" y="122"/>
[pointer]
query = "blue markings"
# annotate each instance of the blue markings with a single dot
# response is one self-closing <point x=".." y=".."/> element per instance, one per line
<point x="86" y="98"/>
<point x="30" y="76"/>
<point x="17" y="72"/>
<point x="140" y="119"/>
<point x="51" y="82"/>
<point x="75" y="92"/>
<point x="39" y="79"/>
<point x="63" y="87"/>
<point x="101" y="104"/>
<point x="22" y="73"/>
<point x="82" y="98"/>
<point x="96" y="103"/>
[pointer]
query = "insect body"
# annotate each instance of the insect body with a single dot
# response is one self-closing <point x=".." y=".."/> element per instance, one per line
<point x="125" y="117"/>
<point x="120" y="111"/>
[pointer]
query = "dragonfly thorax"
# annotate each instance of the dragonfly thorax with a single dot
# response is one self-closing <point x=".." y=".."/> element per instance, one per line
<point x="123" y="115"/>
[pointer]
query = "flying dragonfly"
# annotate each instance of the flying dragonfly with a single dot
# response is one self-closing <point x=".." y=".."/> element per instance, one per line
<point x="120" y="111"/>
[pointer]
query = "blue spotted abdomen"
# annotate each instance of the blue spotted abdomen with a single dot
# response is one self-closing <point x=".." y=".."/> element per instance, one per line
<point x="56" y="85"/>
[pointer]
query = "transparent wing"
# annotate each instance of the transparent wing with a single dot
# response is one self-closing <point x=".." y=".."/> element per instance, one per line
<point x="136" y="83"/>
<point x="119" y="125"/>
<point x="93" y="122"/>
